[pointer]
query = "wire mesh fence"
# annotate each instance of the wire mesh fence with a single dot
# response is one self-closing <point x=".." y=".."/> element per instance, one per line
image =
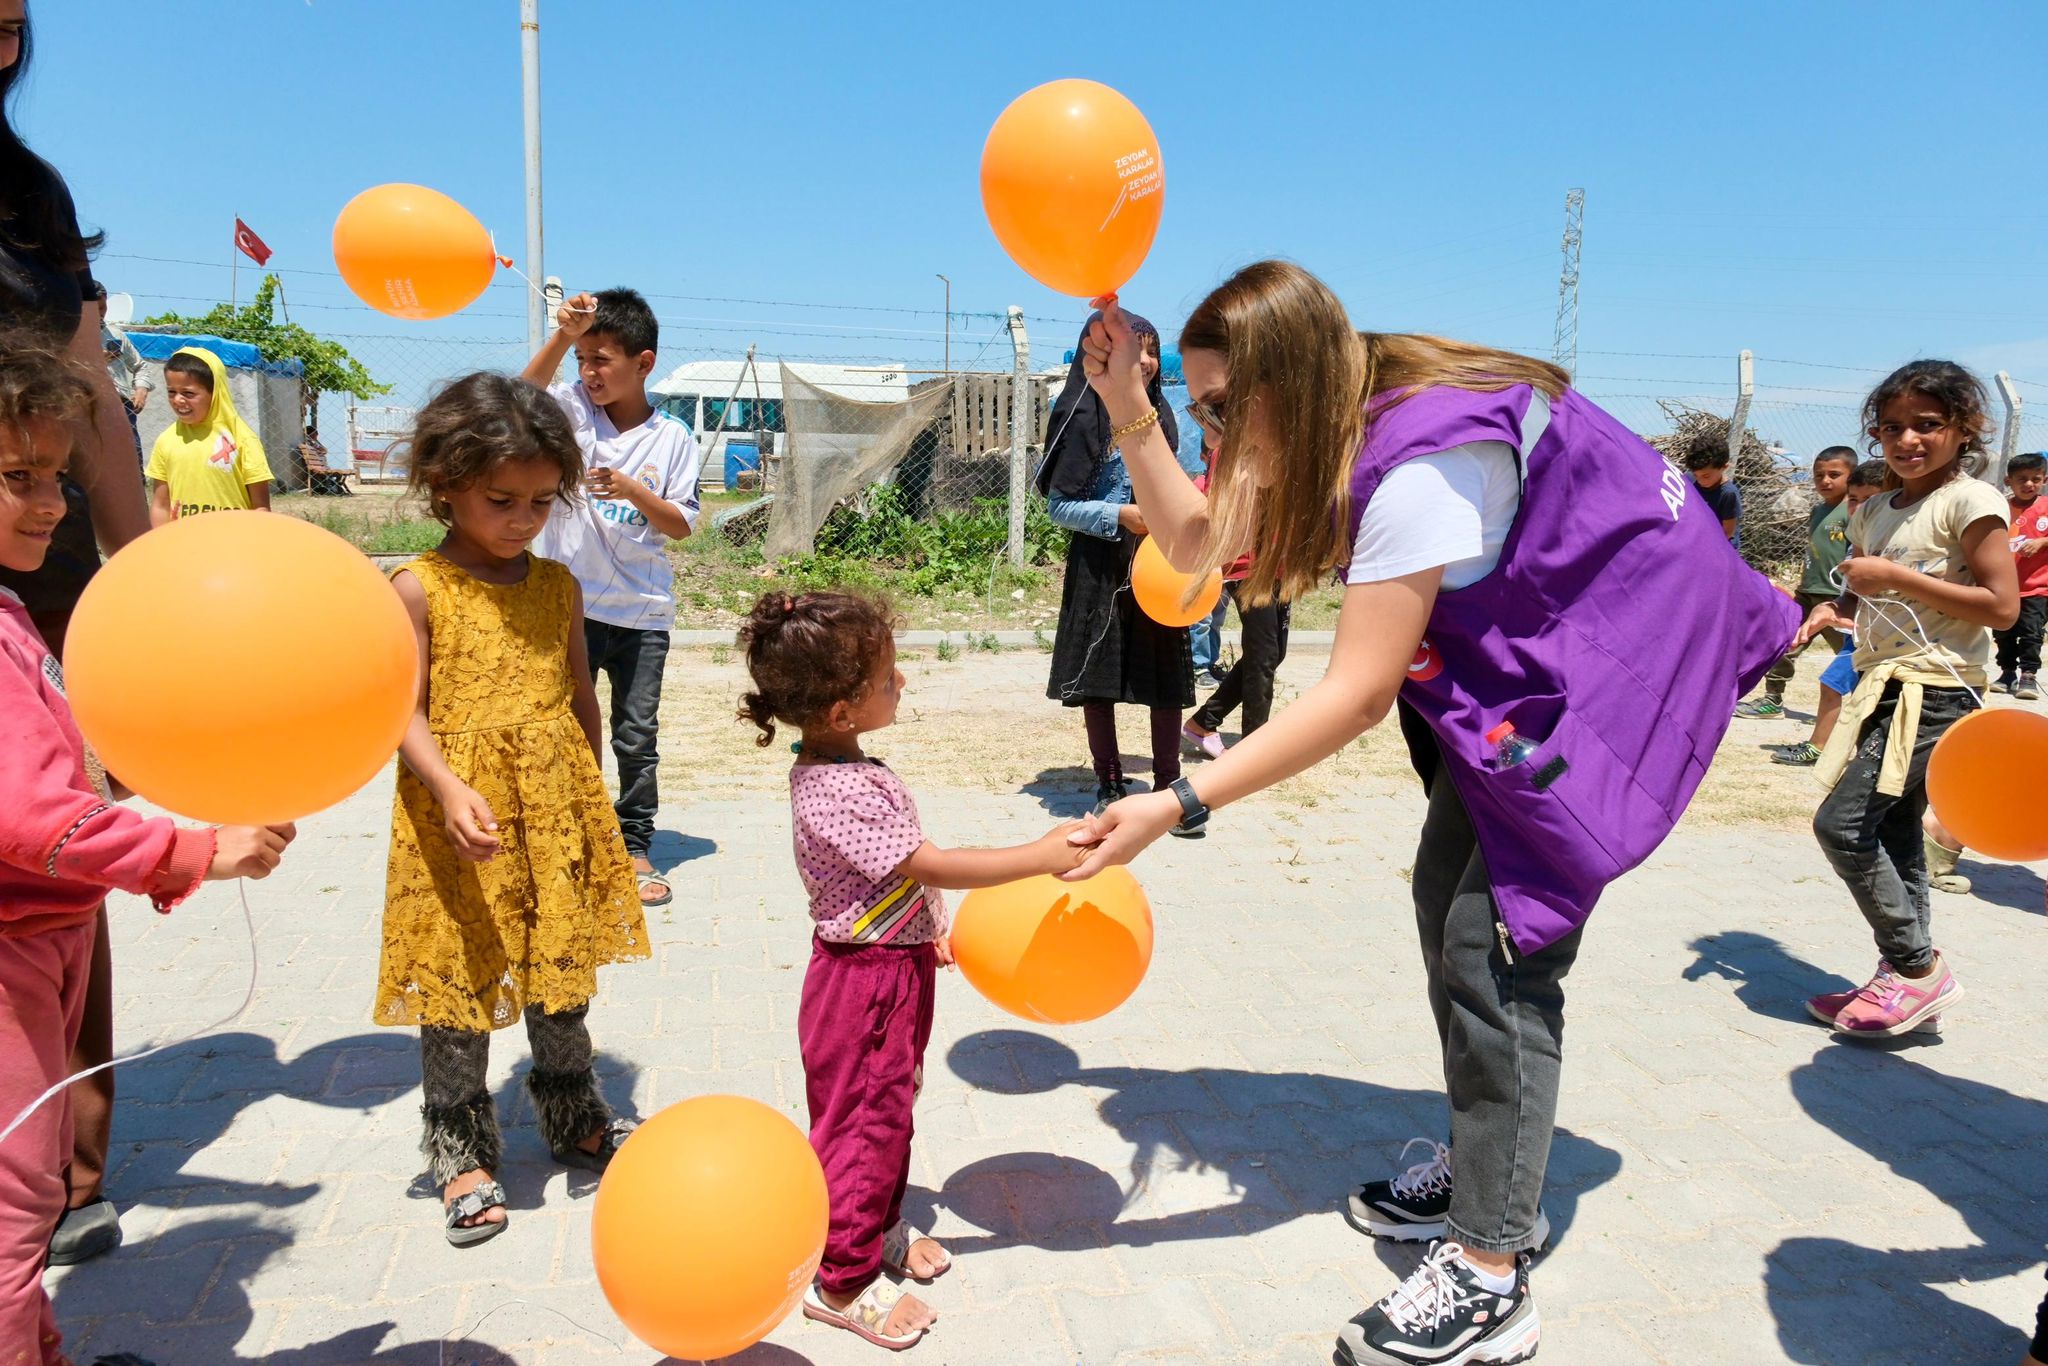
<point x="798" y="445"/>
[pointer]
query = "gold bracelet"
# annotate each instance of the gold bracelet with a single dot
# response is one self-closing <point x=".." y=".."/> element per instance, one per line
<point x="1117" y="434"/>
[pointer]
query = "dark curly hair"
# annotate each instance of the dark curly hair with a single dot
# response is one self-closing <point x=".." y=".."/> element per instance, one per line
<point x="1959" y="394"/>
<point x="806" y="651"/>
<point x="477" y="423"/>
<point x="36" y="383"/>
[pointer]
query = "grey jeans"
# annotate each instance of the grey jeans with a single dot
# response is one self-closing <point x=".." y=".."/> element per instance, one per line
<point x="633" y="660"/>
<point x="1874" y="841"/>
<point x="1501" y="1022"/>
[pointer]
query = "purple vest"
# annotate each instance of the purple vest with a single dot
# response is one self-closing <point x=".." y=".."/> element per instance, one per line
<point x="1616" y="633"/>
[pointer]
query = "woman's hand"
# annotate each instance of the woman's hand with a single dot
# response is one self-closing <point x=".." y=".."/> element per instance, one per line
<point x="1123" y="832"/>
<point x="250" y="851"/>
<point x="470" y="825"/>
<point x="1130" y="519"/>
<point x="1824" y="617"/>
<point x="1112" y="357"/>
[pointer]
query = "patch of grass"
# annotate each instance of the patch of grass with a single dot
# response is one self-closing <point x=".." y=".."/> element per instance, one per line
<point x="948" y="651"/>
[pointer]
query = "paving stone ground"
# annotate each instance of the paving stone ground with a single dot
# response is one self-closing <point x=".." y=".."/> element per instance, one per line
<point x="1729" y="1184"/>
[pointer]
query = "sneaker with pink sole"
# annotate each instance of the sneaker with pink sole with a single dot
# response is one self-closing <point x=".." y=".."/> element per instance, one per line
<point x="1209" y="746"/>
<point x="1828" y="1004"/>
<point x="1890" y="1004"/>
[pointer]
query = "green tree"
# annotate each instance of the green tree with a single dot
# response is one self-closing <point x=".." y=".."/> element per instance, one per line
<point x="329" y="366"/>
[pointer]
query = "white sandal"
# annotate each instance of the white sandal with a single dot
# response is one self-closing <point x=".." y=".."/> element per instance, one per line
<point x="868" y="1315"/>
<point x="896" y="1245"/>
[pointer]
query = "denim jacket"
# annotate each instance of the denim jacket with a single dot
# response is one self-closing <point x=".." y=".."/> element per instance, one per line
<point x="1095" y="515"/>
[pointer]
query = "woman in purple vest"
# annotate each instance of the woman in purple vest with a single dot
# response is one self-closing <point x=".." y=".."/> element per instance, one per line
<point x="1567" y="630"/>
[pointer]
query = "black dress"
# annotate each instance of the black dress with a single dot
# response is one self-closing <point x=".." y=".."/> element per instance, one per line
<point x="1106" y="650"/>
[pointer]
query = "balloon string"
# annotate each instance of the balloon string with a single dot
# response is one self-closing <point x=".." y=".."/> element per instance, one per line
<point x="241" y="889"/>
<point x="1917" y="632"/>
<point x="609" y="1342"/>
<point x="506" y="262"/>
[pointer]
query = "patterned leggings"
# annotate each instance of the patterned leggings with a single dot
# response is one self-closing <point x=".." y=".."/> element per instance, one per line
<point x="461" y="1124"/>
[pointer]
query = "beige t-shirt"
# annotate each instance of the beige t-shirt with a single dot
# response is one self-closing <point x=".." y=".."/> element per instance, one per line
<point x="1926" y="536"/>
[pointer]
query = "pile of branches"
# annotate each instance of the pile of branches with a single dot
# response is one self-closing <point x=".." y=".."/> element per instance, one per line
<point x="1774" y="505"/>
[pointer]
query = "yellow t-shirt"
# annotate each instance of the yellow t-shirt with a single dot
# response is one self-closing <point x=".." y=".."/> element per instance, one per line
<point x="1926" y="536"/>
<point x="207" y="469"/>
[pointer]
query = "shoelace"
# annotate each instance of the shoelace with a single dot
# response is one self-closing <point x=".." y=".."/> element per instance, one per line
<point x="1430" y="1295"/>
<point x="1424" y="1178"/>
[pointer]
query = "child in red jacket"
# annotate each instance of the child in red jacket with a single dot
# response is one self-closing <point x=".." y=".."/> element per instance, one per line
<point x="63" y="844"/>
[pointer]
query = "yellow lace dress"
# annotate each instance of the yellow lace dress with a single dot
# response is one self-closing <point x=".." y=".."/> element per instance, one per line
<point x="470" y="945"/>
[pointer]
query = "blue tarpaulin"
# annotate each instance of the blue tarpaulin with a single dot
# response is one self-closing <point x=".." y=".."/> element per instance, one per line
<point x="233" y="354"/>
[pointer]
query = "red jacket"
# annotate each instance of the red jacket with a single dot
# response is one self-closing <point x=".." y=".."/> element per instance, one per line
<point x="2030" y="523"/>
<point x="63" y="845"/>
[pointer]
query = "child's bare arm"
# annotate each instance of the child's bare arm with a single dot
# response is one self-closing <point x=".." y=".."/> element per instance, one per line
<point x="259" y="495"/>
<point x="583" y="697"/>
<point x="1994" y="600"/>
<point x="963" y="870"/>
<point x="161" y="513"/>
<point x="467" y="816"/>
<point x="572" y="320"/>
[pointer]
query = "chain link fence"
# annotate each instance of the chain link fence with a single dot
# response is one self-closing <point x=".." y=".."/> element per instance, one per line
<point x="801" y="449"/>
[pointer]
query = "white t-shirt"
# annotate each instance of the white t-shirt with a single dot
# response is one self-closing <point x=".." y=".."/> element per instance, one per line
<point x="1452" y="508"/>
<point x="620" y="560"/>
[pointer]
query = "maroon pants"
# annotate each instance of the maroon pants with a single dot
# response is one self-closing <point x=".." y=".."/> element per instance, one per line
<point x="863" y="1026"/>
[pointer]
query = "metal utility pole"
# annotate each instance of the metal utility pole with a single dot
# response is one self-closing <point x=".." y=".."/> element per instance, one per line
<point x="529" y="67"/>
<point x="1021" y="424"/>
<point x="1564" y="348"/>
<point x="949" y="327"/>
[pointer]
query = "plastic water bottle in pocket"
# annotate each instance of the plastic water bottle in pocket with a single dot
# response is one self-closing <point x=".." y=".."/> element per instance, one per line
<point x="1509" y="748"/>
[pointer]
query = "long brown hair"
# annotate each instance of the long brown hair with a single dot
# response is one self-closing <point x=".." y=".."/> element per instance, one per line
<point x="1285" y="338"/>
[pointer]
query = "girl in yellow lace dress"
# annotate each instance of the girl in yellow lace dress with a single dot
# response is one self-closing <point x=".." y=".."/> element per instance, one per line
<point x="509" y="882"/>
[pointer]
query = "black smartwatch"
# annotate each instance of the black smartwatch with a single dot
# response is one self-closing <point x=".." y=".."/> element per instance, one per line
<point x="1192" y="813"/>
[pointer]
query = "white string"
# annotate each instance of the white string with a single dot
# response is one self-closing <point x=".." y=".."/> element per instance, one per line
<point x="534" y="1304"/>
<point x="1918" y="631"/>
<point x="241" y="889"/>
<point x="506" y="262"/>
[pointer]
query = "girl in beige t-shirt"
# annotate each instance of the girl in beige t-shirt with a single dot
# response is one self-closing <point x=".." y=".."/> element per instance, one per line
<point x="1927" y="580"/>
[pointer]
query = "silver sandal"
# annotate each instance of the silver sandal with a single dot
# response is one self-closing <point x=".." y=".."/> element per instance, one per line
<point x="469" y="1205"/>
<point x="610" y="1139"/>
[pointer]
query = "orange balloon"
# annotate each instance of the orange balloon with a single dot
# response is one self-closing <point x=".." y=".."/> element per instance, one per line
<point x="242" y="668"/>
<point x="709" y="1224"/>
<point x="412" y="252"/>
<point x="1072" y="183"/>
<point x="1056" y="952"/>
<point x="1980" y="783"/>
<point x="1161" y="590"/>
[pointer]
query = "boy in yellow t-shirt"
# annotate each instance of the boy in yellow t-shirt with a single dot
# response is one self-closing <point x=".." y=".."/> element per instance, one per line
<point x="208" y="460"/>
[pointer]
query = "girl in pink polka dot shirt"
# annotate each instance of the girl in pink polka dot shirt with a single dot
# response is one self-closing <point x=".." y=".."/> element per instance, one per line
<point x="825" y="663"/>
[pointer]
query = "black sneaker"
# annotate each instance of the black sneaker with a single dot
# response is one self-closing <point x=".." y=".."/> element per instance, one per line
<point x="2004" y="682"/>
<point x="85" y="1233"/>
<point x="2027" y="688"/>
<point x="1443" y="1316"/>
<point x="1105" y="793"/>
<point x="1412" y="1207"/>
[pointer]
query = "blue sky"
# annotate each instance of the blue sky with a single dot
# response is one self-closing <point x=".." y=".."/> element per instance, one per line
<point x="1849" y="185"/>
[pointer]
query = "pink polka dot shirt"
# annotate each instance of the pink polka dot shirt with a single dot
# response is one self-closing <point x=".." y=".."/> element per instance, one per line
<point x="853" y="825"/>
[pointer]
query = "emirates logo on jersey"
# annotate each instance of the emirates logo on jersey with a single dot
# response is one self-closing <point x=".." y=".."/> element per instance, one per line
<point x="1426" y="665"/>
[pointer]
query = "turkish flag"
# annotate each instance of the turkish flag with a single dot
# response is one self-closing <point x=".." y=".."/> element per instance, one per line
<point x="249" y="244"/>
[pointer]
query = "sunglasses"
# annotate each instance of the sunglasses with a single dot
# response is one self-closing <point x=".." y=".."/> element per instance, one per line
<point x="1210" y="415"/>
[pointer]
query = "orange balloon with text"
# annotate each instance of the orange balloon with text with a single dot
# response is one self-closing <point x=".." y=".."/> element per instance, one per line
<point x="1072" y="183"/>
<point x="242" y="668"/>
<point x="412" y="252"/>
